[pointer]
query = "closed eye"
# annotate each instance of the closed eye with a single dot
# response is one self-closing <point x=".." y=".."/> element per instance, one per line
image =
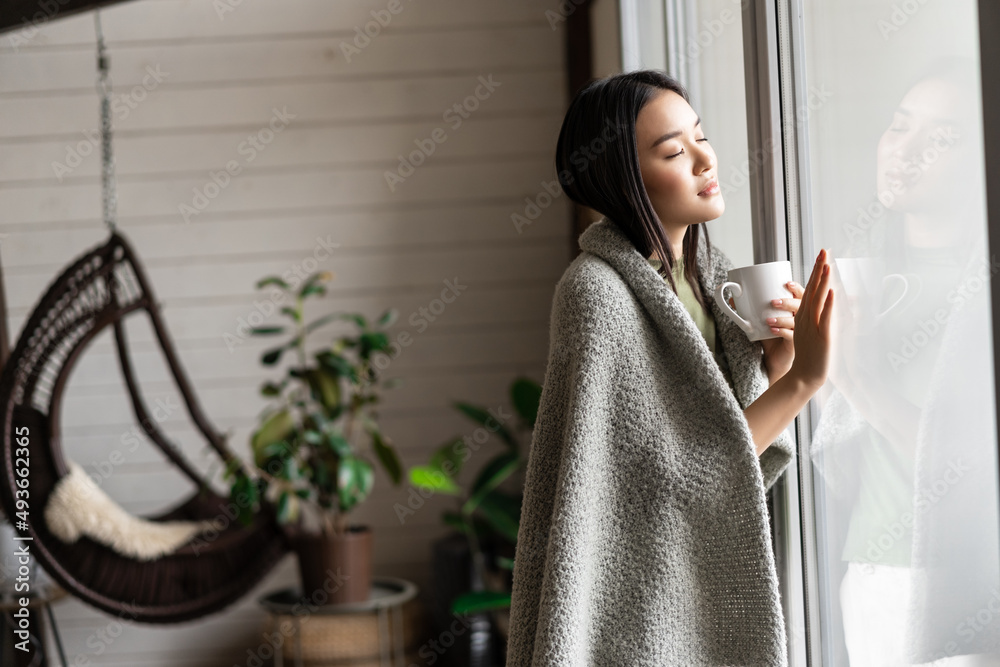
<point x="682" y="150"/>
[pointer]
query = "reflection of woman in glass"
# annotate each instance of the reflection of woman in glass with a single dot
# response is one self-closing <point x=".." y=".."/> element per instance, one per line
<point x="892" y="442"/>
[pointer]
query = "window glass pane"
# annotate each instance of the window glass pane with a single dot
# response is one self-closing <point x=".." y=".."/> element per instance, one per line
<point x="704" y="51"/>
<point x="712" y="55"/>
<point x="905" y="449"/>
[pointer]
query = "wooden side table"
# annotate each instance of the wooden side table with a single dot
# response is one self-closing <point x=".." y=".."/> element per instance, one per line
<point x="378" y="632"/>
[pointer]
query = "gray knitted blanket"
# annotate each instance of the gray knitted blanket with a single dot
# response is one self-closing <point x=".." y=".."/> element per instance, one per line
<point x="644" y="534"/>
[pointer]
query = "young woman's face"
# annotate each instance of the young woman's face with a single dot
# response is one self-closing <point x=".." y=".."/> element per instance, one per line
<point x="923" y="165"/>
<point x="677" y="170"/>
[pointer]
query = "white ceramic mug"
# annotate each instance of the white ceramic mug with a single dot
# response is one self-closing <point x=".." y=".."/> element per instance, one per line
<point x="753" y="287"/>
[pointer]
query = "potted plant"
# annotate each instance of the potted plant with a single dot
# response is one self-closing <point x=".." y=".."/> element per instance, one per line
<point x="309" y="447"/>
<point x="473" y="565"/>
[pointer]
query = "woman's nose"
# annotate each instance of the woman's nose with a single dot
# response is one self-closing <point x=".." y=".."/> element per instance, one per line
<point x="705" y="161"/>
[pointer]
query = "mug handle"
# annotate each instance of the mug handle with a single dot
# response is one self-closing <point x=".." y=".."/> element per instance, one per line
<point x="728" y="310"/>
<point x="906" y="288"/>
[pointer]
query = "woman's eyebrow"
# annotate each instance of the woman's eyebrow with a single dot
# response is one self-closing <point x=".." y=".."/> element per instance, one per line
<point x="671" y="135"/>
<point x="903" y="111"/>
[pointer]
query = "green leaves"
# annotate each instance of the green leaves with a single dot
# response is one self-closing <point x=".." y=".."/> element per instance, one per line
<point x="487" y="513"/>
<point x="312" y="286"/>
<point x="272" y="280"/>
<point x="481" y="416"/>
<point x="266" y="331"/>
<point x="387" y="456"/>
<point x="359" y="320"/>
<point x="525" y="394"/>
<point x="490" y="477"/>
<point x="271" y="357"/>
<point x="277" y="427"/>
<point x="271" y="389"/>
<point x="304" y="447"/>
<point x="338" y="365"/>
<point x="244" y="494"/>
<point x="288" y="507"/>
<point x="449" y="458"/>
<point x="457" y="521"/>
<point x="478" y="601"/>
<point x="317" y="323"/>
<point x="387" y="318"/>
<point x="374" y="341"/>
<point x="432" y="479"/>
<point x="325" y="387"/>
<point x="354" y="481"/>
<point x="503" y="512"/>
<point x="440" y="473"/>
<point x="337" y="444"/>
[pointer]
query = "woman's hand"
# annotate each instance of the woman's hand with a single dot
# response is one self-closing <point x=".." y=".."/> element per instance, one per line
<point x="780" y="352"/>
<point x="813" y="339"/>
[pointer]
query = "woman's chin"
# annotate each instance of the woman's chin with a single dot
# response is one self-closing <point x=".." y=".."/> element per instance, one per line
<point x="717" y="210"/>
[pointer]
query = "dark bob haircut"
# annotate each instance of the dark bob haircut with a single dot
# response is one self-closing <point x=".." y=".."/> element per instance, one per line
<point x="597" y="163"/>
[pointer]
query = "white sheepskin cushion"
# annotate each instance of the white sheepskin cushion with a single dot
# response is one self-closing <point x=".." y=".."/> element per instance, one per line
<point x="78" y="506"/>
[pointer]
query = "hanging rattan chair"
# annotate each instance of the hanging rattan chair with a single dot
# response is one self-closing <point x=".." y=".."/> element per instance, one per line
<point x="192" y="578"/>
<point x="97" y="291"/>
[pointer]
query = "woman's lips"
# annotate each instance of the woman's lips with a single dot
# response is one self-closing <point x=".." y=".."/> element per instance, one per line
<point x="894" y="174"/>
<point x="711" y="189"/>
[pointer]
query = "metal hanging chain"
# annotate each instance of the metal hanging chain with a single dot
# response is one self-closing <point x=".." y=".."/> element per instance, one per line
<point x="110" y="198"/>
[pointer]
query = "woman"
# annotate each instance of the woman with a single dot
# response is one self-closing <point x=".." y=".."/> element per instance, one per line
<point x="644" y="536"/>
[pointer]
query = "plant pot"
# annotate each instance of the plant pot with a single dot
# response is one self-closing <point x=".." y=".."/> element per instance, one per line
<point x="335" y="569"/>
<point x="471" y="639"/>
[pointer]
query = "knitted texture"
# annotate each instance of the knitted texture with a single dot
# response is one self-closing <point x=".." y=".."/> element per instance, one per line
<point x="644" y="535"/>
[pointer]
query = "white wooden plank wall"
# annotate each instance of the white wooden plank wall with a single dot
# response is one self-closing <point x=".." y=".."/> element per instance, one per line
<point x="219" y="79"/>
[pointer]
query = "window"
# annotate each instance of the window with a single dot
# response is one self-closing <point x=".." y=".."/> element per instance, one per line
<point x="903" y="449"/>
<point x="858" y="126"/>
